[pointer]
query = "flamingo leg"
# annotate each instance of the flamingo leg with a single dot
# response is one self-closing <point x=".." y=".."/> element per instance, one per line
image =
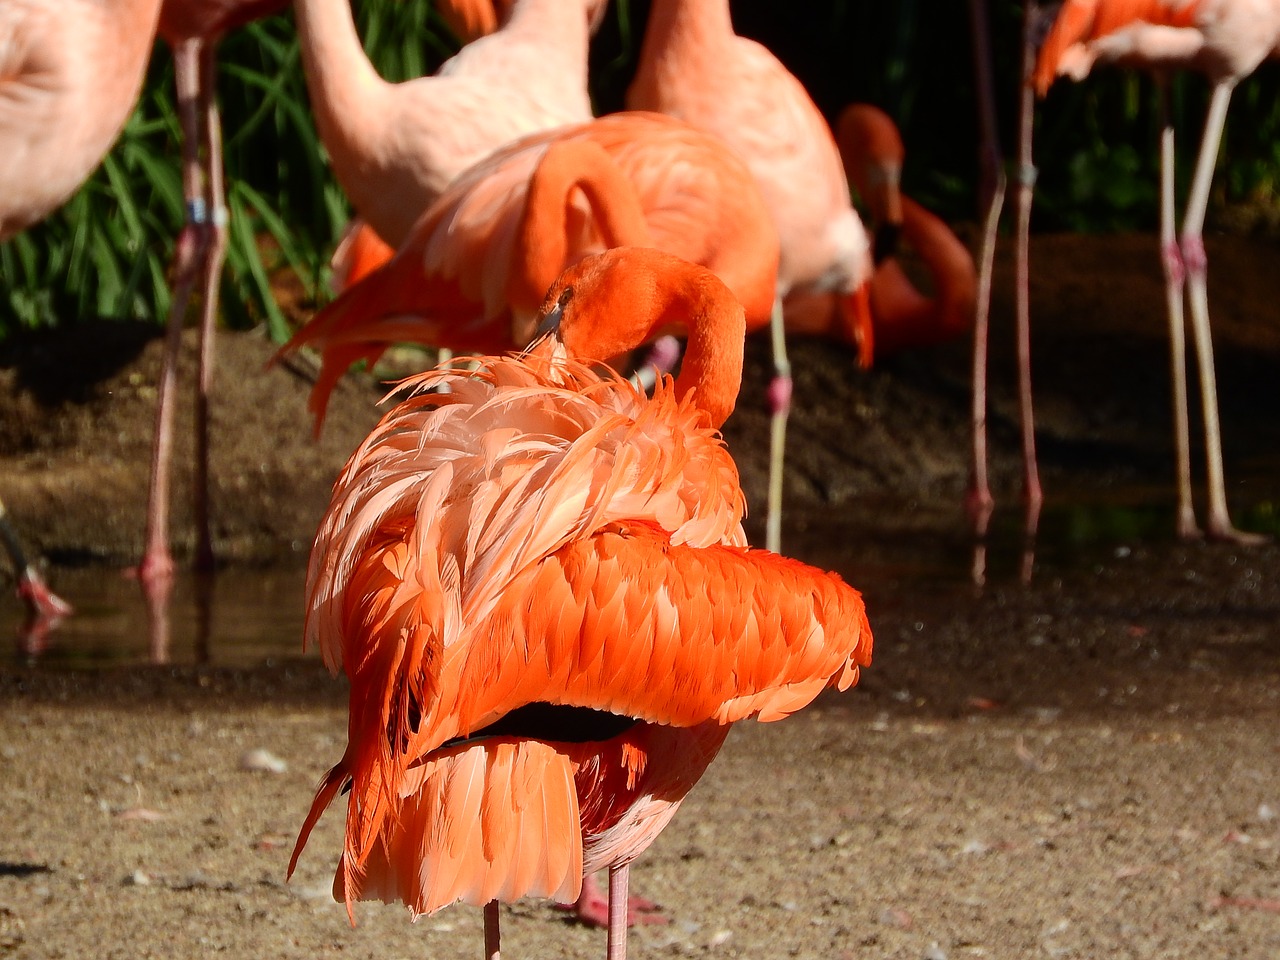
<point x="1217" y="521"/>
<point x="1174" y="284"/>
<point x="156" y="569"/>
<point x="42" y="603"/>
<point x="1022" y="292"/>
<point x="779" y="396"/>
<point x="616" y="948"/>
<point x="215" y="255"/>
<point x="978" y="500"/>
<point x="492" y="931"/>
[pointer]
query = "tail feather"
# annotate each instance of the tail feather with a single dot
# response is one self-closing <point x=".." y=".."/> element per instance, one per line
<point x="1080" y="22"/>
<point x="493" y="819"/>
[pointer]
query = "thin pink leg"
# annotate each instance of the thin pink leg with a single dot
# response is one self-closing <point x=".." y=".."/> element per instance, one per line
<point x="157" y="562"/>
<point x="978" y="500"/>
<point x="1175" y="276"/>
<point x="1022" y="210"/>
<point x="1217" y="520"/>
<point x="779" y="398"/>
<point x="215" y="256"/>
<point x="492" y="933"/>
<point x="617" y="941"/>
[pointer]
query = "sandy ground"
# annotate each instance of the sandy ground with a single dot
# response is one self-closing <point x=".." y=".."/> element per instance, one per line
<point x="1085" y="766"/>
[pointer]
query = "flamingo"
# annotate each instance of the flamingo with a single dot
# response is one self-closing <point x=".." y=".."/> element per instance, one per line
<point x="475" y="270"/>
<point x="472" y="19"/>
<point x="70" y="74"/>
<point x="901" y="316"/>
<point x="394" y="147"/>
<point x="693" y="66"/>
<point x="1225" y="40"/>
<point x="538" y="585"/>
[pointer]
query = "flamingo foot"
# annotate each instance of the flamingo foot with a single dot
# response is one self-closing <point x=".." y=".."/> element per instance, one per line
<point x="43" y="603"/>
<point x="1185" y="526"/>
<point x="592" y="907"/>
<point x="1221" y="530"/>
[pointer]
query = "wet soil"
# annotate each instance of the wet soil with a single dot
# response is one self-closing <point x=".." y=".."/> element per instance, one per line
<point x="1084" y="765"/>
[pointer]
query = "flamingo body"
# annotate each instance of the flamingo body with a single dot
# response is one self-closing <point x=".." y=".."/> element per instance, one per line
<point x="538" y="585"/>
<point x="1221" y="39"/>
<point x="70" y="74"/>
<point x="694" y="67"/>
<point x="395" y="147"/>
<point x="480" y="260"/>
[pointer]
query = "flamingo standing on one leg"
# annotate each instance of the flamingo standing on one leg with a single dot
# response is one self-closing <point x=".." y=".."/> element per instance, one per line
<point x="693" y="66"/>
<point x="475" y="270"/>
<point x="538" y="585"/>
<point x="70" y="74"/>
<point x="1225" y="40"/>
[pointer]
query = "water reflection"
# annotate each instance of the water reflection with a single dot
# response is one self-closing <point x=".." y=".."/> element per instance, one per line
<point x="894" y="550"/>
<point x="239" y="617"/>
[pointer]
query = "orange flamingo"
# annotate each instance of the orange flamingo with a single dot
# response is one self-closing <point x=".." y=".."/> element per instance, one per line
<point x="538" y="585"/>
<point x="70" y="74"/>
<point x="478" y="264"/>
<point x="394" y="147"/>
<point x="1225" y="40"/>
<point x="901" y="316"/>
<point x="693" y="66"/>
<point x="472" y="19"/>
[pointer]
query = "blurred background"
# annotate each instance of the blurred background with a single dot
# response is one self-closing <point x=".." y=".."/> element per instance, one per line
<point x="106" y="254"/>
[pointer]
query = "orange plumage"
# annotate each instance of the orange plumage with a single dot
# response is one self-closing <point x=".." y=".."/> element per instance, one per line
<point x="538" y="585"/>
<point x="475" y="269"/>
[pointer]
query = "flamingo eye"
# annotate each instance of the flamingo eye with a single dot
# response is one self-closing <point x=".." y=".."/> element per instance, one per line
<point x="565" y="296"/>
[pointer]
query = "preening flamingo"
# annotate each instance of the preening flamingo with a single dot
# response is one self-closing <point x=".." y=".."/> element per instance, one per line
<point x="902" y="317"/>
<point x="475" y="270"/>
<point x="70" y="74"/>
<point x="396" y="146"/>
<point x="193" y="29"/>
<point x="1225" y="40"/>
<point x="693" y="66"/>
<point x="538" y="585"/>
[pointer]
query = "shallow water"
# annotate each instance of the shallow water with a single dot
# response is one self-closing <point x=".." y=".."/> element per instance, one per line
<point x="244" y="618"/>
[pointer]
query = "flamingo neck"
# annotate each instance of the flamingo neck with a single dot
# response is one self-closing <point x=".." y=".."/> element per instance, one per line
<point x="681" y="32"/>
<point x="347" y="94"/>
<point x="662" y="294"/>
<point x="551" y="219"/>
<point x="904" y="317"/>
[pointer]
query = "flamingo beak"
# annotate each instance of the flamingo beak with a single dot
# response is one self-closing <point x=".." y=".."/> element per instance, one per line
<point x="855" y="317"/>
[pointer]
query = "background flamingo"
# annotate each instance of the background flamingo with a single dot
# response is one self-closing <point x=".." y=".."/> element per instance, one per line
<point x="394" y="147"/>
<point x="475" y="271"/>
<point x="902" y="317"/>
<point x="693" y="66"/>
<point x="1225" y="40"/>
<point x="70" y="74"/>
<point x="542" y="667"/>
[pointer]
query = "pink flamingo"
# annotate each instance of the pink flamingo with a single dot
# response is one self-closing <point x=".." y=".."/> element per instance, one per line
<point x="1225" y="40"/>
<point x="394" y="147"/>
<point x="70" y="74"/>
<point x="694" y="67"/>
<point x="538" y="585"/>
<point x="474" y="272"/>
